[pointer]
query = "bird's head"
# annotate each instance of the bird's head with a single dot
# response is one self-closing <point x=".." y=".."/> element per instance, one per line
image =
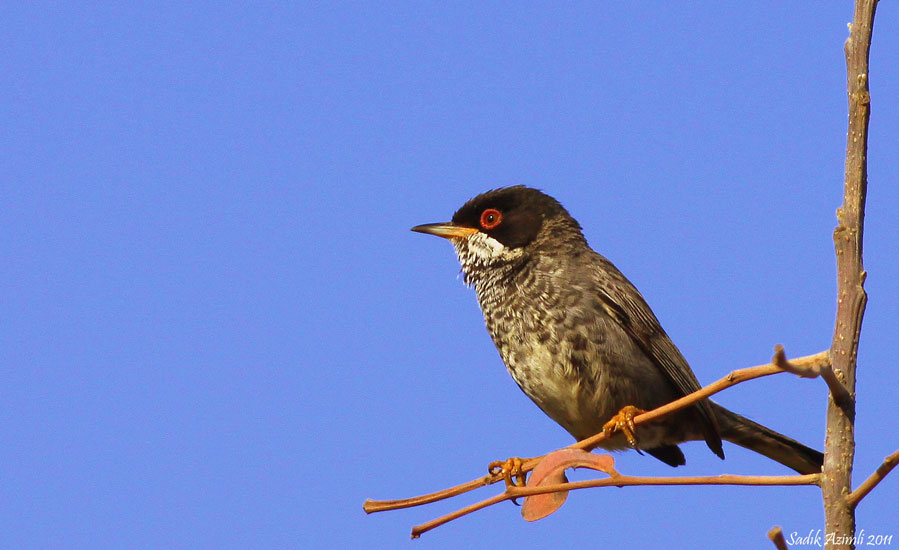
<point x="505" y="226"/>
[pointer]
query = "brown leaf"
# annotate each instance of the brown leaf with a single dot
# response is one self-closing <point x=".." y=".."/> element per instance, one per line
<point x="551" y="471"/>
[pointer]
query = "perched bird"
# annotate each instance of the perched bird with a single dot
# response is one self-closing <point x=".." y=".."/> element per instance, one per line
<point x="580" y="340"/>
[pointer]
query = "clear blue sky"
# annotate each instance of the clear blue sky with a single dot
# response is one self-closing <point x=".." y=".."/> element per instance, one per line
<point x="217" y="330"/>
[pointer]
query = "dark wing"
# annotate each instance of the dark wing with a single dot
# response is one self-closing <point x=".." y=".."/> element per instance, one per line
<point x="624" y="303"/>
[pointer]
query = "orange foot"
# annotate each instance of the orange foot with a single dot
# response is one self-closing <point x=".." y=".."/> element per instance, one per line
<point x="624" y="422"/>
<point x="510" y="470"/>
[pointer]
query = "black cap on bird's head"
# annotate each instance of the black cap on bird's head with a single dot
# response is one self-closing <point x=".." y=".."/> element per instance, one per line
<point x="512" y="216"/>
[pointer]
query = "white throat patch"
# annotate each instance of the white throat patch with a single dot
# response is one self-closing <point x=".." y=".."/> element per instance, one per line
<point x="481" y="251"/>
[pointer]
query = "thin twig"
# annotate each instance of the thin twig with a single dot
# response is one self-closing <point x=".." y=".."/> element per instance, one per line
<point x="633" y="481"/>
<point x="618" y="481"/>
<point x="841" y="395"/>
<point x="418" y="530"/>
<point x="741" y="375"/>
<point x="370" y="506"/>
<point x="881" y="472"/>
<point x="808" y="362"/>
<point x="804" y="371"/>
<point x="776" y="535"/>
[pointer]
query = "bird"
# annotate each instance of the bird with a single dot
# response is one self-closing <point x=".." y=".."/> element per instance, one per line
<point x="580" y="340"/>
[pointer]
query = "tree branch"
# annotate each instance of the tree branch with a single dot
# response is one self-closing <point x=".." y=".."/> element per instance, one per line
<point x="617" y="481"/>
<point x="808" y="363"/>
<point x="811" y="362"/>
<point x="841" y="395"/>
<point x="839" y="446"/>
<point x="776" y="535"/>
<point x="881" y="472"/>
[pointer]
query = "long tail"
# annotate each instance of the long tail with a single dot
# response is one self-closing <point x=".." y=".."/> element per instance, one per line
<point x="755" y="437"/>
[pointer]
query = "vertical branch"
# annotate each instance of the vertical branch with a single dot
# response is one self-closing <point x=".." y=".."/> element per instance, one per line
<point x="839" y="447"/>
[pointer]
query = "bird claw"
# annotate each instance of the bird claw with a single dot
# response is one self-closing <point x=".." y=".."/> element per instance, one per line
<point x="510" y="470"/>
<point x="624" y="422"/>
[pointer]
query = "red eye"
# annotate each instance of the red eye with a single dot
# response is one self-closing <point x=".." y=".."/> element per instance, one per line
<point x="491" y="218"/>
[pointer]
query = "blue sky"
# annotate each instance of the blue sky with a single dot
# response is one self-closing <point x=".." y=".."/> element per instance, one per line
<point x="218" y="331"/>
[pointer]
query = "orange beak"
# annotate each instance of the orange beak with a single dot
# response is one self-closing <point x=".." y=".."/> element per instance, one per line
<point x="447" y="230"/>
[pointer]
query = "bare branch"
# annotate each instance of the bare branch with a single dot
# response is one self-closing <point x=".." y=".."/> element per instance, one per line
<point x="632" y="481"/>
<point x="776" y="535"/>
<point x="839" y="446"/>
<point x="804" y="371"/>
<point x="839" y="392"/>
<point x="815" y="361"/>
<point x="371" y="506"/>
<point x="881" y="472"/>
<point x="618" y="481"/>
<point x="809" y="362"/>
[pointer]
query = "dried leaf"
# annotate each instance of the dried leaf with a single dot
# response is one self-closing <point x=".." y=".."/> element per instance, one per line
<point x="551" y="470"/>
